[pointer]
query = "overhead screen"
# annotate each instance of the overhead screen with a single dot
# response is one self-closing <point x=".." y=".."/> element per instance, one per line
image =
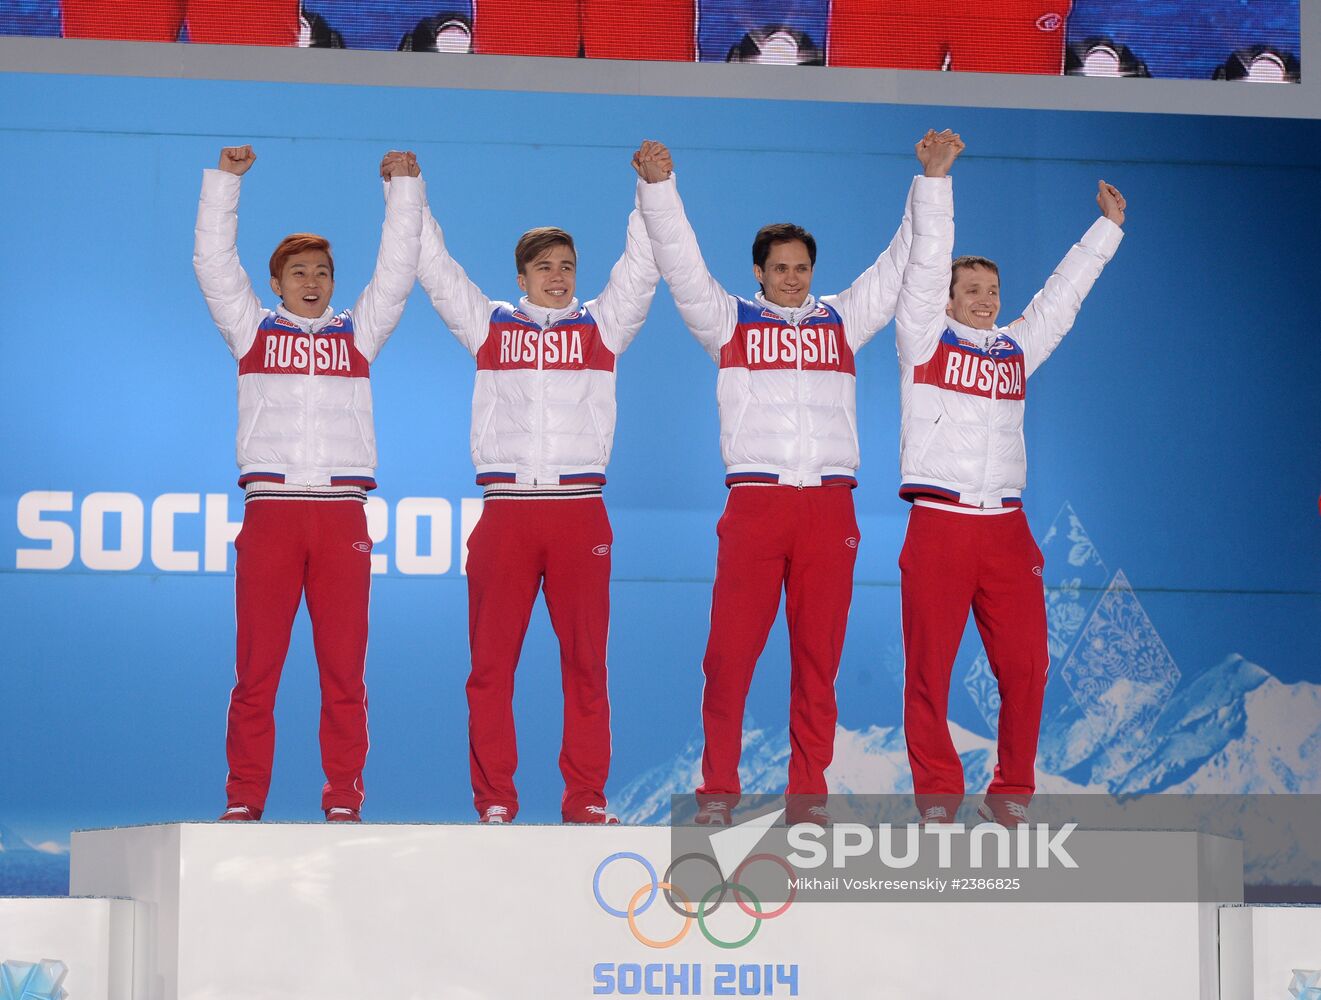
<point x="1246" y="40"/>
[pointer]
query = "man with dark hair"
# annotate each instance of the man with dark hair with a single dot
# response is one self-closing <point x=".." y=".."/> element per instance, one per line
<point x="966" y="261"/>
<point x="788" y="433"/>
<point x="781" y="232"/>
<point x="963" y="383"/>
<point x="543" y="422"/>
<point x="307" y="457"/>
<point x="535" y="242"/>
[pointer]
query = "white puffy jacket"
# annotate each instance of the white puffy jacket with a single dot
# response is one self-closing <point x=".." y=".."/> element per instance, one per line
<point x="962" y="390"/>
<point x="787" y="383"/>
<point x="543" y="402"/>
<point x="304" y="390"/>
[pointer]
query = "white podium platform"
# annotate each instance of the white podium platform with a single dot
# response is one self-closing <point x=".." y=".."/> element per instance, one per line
<point x="93" y="938"/>
<point x="338" y="912"/>
<point x="1261" y="946"/>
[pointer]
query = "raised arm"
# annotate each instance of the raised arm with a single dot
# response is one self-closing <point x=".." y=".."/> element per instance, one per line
<point x="1051" y="313"/>
<point x="377" y="311"/>
<point x="708" y="310"/>
<point x="234" y="306"/>
<point x="622" y="306"/>
<point x="924" y="294"/>
<point x="461" y="304"/>
<point x="869" y="303"/>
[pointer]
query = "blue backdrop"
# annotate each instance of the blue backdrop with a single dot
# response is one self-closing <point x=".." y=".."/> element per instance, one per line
<point x="1172" y="438"/>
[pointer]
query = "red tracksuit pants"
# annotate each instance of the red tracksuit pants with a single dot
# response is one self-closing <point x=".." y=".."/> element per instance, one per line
<point x="950" y="562"/>
<point x="1004" y="36"/>
<point x="241" y="22"/>
<point x="518" y="547"/>
<point x="599" y="29"/>
<point x="288" y="548"/>
<point x="804" y="542"/>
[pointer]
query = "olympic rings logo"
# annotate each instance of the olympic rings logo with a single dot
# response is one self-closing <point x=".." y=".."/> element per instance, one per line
<point x="665" y="888"/>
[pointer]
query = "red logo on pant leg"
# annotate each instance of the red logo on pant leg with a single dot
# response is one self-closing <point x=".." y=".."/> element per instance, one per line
<point x="363" y="546"/>
<point x="1049" y="22"/>
<point x="851" y="542"/>
<point x="1036" y="570"/>
<point x="601" y="550"/>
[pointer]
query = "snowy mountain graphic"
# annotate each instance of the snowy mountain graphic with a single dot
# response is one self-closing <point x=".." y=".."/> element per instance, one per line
<point x="1075" y="576"/>
<point x="12" y="843"/>
<point x="1235" y="730"/>
<point x="1119" y="715"/>
<point x="873" y="761"/>
<point x="30" y="871"/>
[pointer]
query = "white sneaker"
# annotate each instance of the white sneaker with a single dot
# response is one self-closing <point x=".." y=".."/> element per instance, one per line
<point x="592" y="816"/>
<point x="1005" y="811"/>
<point x="934" y="814"/>
<point x="712" y="814"/>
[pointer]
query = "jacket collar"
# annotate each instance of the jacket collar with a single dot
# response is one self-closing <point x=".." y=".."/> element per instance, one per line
<point x="789" y="315"/>
<point x="547" y="317"/>
<point x="305" y="324"/>
<point x="982" y="338"/>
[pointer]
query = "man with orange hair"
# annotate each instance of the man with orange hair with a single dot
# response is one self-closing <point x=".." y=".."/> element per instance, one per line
<point x="307" y="457"/>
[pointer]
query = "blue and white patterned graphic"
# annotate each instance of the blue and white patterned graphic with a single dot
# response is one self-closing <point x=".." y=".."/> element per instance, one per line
<point x="1121" y="674"/>
<point x="32" y="980"/>
<point x="1305" y="985"/>
<point x="1074" y="575"/>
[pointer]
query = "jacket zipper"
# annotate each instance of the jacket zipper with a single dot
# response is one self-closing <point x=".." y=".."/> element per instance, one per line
<point x="802" y="450"/>
<point x="541" y="407"/>
<point x="990" y="420"/>
<point x="307" y="401"/>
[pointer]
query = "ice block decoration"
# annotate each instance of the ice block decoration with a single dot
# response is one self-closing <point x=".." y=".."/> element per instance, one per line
<point x="32" y="980"/>
<point x="1306" y="984"/>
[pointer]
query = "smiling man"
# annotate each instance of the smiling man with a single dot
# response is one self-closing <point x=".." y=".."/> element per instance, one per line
<point x="543" y="424"/>
<point x="788" y="434"/>
<point x="963" y="385"/>
<point x="307" y="457"/>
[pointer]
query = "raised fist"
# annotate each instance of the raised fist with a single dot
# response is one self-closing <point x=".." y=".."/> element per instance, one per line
<point x="653" y="162"/>
<point x="937" y="151"/>
<point x="399" y="164"/>
<point x="237" y="159"/>
<point x="1110" y="202"/>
